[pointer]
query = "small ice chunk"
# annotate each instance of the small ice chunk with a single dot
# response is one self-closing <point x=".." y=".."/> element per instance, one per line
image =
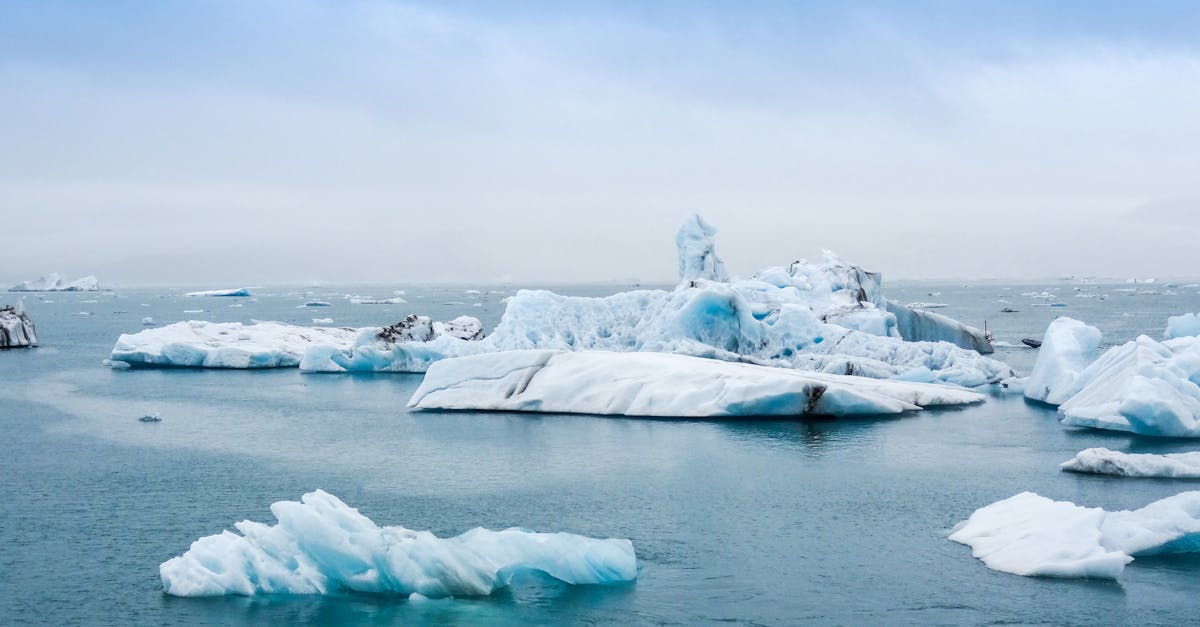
<point x="237" y="291"/>
<point x="1103" y="461"/>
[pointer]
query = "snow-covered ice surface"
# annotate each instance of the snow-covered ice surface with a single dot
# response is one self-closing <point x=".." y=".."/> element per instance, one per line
<point x="1067" y="348"/>
<point x="55" y="282"/>
<point x="828" y="317"/>
<point x="237" y="291"/>
<point x="1103" y="461"/>
<point x="16" y="329"/>
<point x="1187" y="325"/>
<point x="662" y="384"/>
<point x="1031" y="535"/>
<point x="322" y="546"/>
<point x="199" y="344"/>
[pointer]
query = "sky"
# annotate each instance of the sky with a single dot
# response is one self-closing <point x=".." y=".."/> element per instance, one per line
<point x="379" y="141"/>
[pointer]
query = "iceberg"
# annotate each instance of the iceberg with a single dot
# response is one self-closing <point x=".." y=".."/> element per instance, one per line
<point x="1031" y="535"/>
<point x="239" y="291"/>
<point x="377" y="301"/>
<point x="663" y="385"/>
<point x="55" y="282"/>
<point x="322" y="546"/>
<point x="917" y="325"/>
<point x="828" y="317"/>
<point x="199" y="344"/>
<point x="1143" y="386"/>
<point x="1067" y="348"/>
<point x="16" y="329"/>
<point x="1187" y="325"/>
<point x="1102" y="461"/>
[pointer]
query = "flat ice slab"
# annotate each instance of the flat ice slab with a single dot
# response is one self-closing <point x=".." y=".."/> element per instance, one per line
<point x="55" y="282"/>
<point x="322" y="546"/>
<point x="1102" y="461"/>
<point x="199" y="344"/>
<point x="237" y="291"/>
<point x="662" y="384"/>
<point x="1031" y="535"/>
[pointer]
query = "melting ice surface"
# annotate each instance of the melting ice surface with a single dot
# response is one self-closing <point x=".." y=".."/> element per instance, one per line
<point x="321" y="546"/>
<point x="1103" y="461"/>
<point x="1031" y="535"/>
<point x="661" y="384"/>
<point x="1143" y="386"/>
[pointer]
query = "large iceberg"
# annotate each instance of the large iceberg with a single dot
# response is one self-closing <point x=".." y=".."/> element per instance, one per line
<point x="1031" y="535"/>
<point x="829" y="317"/>
<point x="55" y="282"/>
<point x="16" y="329"/>
<point x="662" y="384"/>
<point x="917" y="325"/>
<point x="1102" y="461"/>
<point x="236" y="291"/>
<point x="1143" y="386"/>
<point x="322" y="546"/>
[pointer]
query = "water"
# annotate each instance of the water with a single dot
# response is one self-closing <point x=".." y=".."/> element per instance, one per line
<point x="773" y="522"/>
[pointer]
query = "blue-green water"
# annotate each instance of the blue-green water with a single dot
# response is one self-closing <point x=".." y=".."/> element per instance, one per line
<point x="773" y="522"/>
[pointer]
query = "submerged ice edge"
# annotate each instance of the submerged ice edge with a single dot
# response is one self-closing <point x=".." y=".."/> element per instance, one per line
<point x="322" y="546"/>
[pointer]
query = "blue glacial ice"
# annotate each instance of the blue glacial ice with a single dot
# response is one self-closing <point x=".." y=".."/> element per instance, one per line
<point x="1143" y="386"/>
<point x="1032" y="535"/>
<point x="664" y="385"/>
<point x="827" y="317"/>
<point x="322" y="546"/>
<point x="237" y="291"/>
<point x="1186" y="325"/>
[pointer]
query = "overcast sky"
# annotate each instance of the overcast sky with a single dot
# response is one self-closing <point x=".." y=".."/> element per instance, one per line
<point x="260" y="141"/>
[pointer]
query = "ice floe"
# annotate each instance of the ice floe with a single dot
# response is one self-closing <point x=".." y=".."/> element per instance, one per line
<point x="199" y="344"/>
<point x="1102" y="461"/>
<point x="322" y="546"/>
<point x="16" y="329"/>
<point x="55" y="282"/>
<point x="662" y="384"/>
<point x="239" y="291"/>
<point x="1032" y="535"/>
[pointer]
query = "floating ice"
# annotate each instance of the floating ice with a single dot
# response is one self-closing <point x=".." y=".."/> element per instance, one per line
<point x="55" y="282"/>
<point x="921" y="305"/>
<point x="240" y="291"/>
<point x="198" y="344"/>
<point x="377" y="301"/>
<point x="322" y="546"/>
<point x="1031" y="535"/>
<point x="16" y="329"/>
<point x="1102" y="461"/>
<point x="1187" y="325"/>
<point x="148" y="320"/>
<point x="1067" y="348"/>
<point x="662" y="384"/>
<point x="407" y="346"/>
<point x="918" y="325"/>
<point x="697" y="252"/>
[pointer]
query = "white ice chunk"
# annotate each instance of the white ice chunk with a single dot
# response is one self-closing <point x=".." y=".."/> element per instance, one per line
<point x="238" y="291"/>
<point x="1103" y="461"/>
<point x="1067" y="348"/>
<point x="697" y="252"/>
<point x="322" y="546"/>
<point x="199" y="344"/>
<point x="55" y="282"/>
<point x="1031" y="535"/>
<point x="662" y="384"/>
<point x="1187" y="325"/>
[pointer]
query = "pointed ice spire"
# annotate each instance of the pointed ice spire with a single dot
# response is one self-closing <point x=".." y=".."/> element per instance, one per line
<point x="697" y="252"/>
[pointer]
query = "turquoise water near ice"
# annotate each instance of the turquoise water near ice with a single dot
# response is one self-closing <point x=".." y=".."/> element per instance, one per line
<point x="750" y="521"/>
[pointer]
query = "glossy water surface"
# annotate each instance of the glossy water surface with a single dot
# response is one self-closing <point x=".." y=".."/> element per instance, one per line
<point x="776" y="522"/>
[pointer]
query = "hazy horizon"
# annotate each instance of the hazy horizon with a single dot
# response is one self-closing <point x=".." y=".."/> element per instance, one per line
<point x="394" y="142"/>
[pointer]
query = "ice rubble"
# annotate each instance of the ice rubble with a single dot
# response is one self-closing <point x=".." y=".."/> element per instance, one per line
<point x="55" y="282"/>
<point x="16" y="329"/>
<point x="1187" y="325"/>
<point x="829" y="317"/>
<point x="1031" y="535"/>
<point x="662" y="384"/>
<point x="322" y="546"/>
<point x="1143" y="386"/>
<point x="237" y="291"/>
<point x="1103" y="461"/>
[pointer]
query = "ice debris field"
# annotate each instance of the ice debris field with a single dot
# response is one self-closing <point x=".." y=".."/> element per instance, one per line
<point x="323" y="546"/>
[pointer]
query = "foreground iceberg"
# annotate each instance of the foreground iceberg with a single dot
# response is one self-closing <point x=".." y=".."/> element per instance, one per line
<point x="321" y="546"/>
<point x="1143" y="386"/>
<point x="662" y="384"/>
<point x="829" y="317"/>
<point x="1102" y="461"/>
<point x="1031" y="535"/>
<point x="16" y="329"/>
<point x="55" y="282"/>
<point x="199" y="344"/>
<point x="238" y="291"/>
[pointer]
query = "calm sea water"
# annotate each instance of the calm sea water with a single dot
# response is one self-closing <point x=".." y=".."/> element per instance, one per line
<point x="771" y="522"/>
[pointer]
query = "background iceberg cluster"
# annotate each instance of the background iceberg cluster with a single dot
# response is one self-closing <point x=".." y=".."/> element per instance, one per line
<point x="321" y="546"/>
